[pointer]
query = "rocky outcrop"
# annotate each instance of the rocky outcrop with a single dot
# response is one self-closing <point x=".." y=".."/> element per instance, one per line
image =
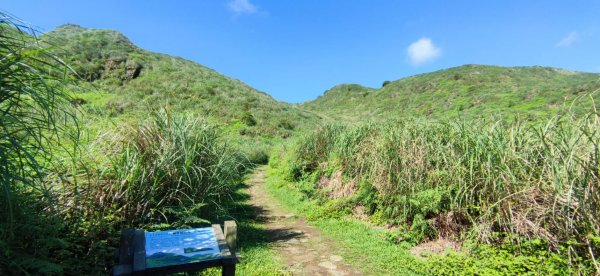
<point x="121" y="68"/>
<point x="132" y="69"/>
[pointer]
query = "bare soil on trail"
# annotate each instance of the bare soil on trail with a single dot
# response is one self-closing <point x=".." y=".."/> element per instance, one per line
<point x="303" y="248"/>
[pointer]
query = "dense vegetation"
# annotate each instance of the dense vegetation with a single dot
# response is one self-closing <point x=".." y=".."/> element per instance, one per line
<point x="124" y="83"/>
<point x="78" y="165"/>
<point x="30" y="124"/>
<point x="464" y="92"/>
<point x="393" y="245"/>
<point x="494" y="183"/>
<point x="98" y="135"/>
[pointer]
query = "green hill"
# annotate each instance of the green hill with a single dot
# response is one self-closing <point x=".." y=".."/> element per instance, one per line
<point x="467" y="91"/>
<point x="124" y="82"/>
<point x="157" y="142"/>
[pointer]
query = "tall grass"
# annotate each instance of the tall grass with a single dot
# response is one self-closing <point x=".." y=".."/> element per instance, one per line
<point x="170" y="171"/>
<point x="487" y="181"/>
<point x="32" y="108"/>
<point x="34" y="116"/>
<point x="171" y="162"/>
<point x="63" y="200"/>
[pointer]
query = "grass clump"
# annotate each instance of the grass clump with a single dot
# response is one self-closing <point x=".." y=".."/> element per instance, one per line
<point x="35" y="117"/>
<point x="171" y="165"/>
<point x="170" y="171"/>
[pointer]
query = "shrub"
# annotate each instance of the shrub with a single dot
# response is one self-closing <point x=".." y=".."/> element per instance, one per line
<point x="248" y="119"/>
<point x="286" y="124"/>
<point x="259" y="156"/>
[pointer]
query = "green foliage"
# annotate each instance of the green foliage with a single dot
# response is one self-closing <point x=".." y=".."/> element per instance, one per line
<point x="429" y="202"/>
<point x="259" y="157"/>
<point x="467" y="179"/>
<point x="469" y="91"/>
<point x="314" y="148"/>
<point x="35" y="115"/>
<point x="376" y="250"/>
<point x="527" y="189"/>
<point x="105" y="54"/>
<point x="367" y="196"/>
<point x="167" y="165"/>
<point x="331" y="209"/>
<point x="62" y="210"/>
<point x="420" y="229"/>
<point x="286" y="124"/>
<point x="171" y="171"/>
<point x="138" y="82"/>
<point x="533" y="259"/>
<point x="248" y="119"/>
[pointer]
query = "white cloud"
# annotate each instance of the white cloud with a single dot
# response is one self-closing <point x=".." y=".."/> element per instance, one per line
<point x="423" y="51"/>
<point x="242" y="6"/>
<point x="568" y="40"/>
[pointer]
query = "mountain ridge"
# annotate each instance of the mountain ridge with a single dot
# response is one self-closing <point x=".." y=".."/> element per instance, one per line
<point x="123" y="81"/>
<point x="110" y="59"/>
<point x="527" y="90"/>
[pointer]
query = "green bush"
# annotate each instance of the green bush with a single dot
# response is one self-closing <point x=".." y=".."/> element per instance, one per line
<point x="259" y="157"/>
<point x="248" y="119"/>
<point x="286" y="124"/>
<point x="528" y="258"/>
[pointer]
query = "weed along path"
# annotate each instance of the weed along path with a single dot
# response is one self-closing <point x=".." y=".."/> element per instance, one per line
<point x="303" y="248"/>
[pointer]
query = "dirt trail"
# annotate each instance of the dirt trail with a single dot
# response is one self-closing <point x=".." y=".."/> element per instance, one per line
<point x="303" y="248"/>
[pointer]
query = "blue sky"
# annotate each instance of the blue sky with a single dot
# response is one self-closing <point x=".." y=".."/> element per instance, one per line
<point x="295" y="50"/>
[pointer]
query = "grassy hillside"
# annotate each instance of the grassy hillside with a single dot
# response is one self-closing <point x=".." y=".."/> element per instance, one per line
<point x="125" y="82"/>
<point x="158" y="142"/>
<point x="466" y="91"/>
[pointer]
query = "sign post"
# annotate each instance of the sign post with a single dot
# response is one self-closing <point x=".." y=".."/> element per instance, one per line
<point x="173" y="251"/>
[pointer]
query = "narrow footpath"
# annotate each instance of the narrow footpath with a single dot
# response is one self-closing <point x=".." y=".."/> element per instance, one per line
<point x="303" y="248"/>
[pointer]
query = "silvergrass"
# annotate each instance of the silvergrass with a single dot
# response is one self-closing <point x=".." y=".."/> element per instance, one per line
<point x="34" y="116"/>
<point x="169" y="162"/>
<point x="487" y="181"/>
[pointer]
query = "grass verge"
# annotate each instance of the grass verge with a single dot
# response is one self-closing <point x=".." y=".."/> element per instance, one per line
<point x="377" y="251"/>
<point x="361" y="245"/>
<point x="258" y="257"/>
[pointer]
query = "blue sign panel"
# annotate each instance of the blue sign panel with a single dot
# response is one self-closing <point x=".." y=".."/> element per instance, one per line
<point x="167" y="248"/>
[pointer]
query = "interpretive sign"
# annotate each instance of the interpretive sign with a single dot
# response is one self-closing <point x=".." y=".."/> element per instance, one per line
<point x="177" y="251"/>
<point x="176" y="247"/>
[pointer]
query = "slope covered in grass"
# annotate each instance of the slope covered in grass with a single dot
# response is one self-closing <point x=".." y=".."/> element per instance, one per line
<point x="160" y="144"/>
<point x="124" y="82"/>
<point x="360" y="240"/>
<point x="140" y="150"/>
<point x="467" y="91"/>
